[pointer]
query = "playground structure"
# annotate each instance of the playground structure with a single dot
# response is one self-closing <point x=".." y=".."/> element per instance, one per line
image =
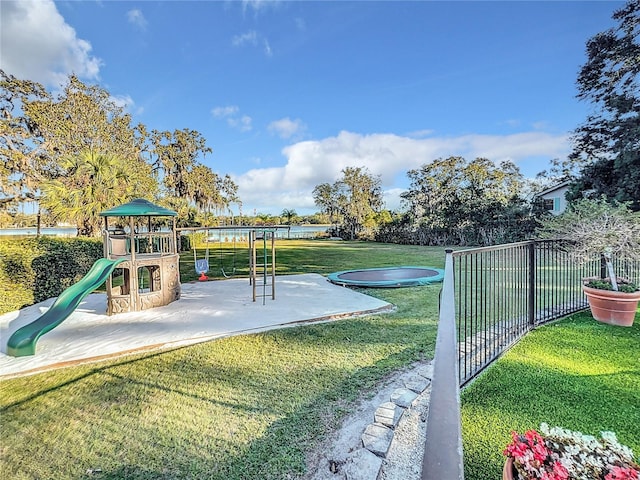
<point x="23" y="341"/>
<point x="263" y="266"/>
<point x="140" y="268"/>
<point x="259" y="242"/>
<point x="148" y="274"/>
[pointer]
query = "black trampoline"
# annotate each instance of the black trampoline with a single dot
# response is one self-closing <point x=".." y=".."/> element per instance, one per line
<point x="388" y="277"/>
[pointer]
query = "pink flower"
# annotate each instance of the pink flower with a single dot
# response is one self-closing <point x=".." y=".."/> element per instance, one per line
<point x="540" y="451"/>
<point x="518" y="447"/>
<point x="622" y="473"/>
<point x="560" y="471"/>
<point x="560" y="454"/>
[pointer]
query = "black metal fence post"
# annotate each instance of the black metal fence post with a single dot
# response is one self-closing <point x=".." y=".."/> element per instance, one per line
<point x="532" y="284"/>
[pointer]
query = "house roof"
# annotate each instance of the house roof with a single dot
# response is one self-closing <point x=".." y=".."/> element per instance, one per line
<point x="138" y="208"/>
<point x="558" y="186"/>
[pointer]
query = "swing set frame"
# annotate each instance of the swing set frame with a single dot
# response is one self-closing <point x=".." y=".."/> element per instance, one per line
<point x="243" y="232"/>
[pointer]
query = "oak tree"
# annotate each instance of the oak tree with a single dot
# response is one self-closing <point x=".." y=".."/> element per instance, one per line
<point x="356" y="197"/>
<point x="22" y="160"/>
<point x="607" y="144"/>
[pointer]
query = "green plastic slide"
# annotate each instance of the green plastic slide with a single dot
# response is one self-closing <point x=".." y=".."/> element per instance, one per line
<point x="23" y="341"/>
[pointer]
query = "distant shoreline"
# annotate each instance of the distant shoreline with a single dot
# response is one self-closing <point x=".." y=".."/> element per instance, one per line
<point x="27" y="232"/>
<point x="32" y="231"/>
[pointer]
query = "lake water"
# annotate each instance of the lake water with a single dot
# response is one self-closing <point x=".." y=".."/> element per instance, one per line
<point x="31" y="232"/>
<point x="296" y="231"/>
<point x="303" y="231"/>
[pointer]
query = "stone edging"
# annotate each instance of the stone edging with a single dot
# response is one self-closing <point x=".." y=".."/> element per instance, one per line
<point x="367" y="462"/>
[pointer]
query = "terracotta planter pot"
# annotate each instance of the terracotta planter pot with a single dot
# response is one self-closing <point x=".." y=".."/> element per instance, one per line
<point x="614" y="308"/>
<point x="507" y="471"/>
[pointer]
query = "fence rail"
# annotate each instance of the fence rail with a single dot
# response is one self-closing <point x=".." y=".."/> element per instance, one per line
<point x="442" y="458"/>
<point x="491" y="297"/>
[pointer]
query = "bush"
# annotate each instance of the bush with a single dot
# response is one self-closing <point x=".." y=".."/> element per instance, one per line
<point x="493" y="227"/>
<point x="605" y="284"/>
<point x="596" y="227"/>
<point x="35" y="269"/>
<point x="184" y="242"/>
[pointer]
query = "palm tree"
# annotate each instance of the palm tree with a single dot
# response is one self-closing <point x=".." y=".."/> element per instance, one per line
<point x="264" y="219"/>
<point x="92" y="182"/>
<point x="289" y="213"/>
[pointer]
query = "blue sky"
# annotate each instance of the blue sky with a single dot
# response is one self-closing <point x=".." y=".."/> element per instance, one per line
<point x="287" y="94"/>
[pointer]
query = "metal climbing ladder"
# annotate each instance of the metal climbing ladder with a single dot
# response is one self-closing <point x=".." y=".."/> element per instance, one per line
<point x="262" y="244"/>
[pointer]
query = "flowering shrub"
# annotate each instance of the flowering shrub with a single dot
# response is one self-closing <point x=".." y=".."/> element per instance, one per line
<point x="559" y="454"/>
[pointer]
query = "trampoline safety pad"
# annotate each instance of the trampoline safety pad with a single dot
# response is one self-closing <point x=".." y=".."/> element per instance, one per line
<point x="388" y="277"/>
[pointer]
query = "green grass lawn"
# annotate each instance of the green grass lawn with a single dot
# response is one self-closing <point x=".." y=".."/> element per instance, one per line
<point x="246" y="407"/>
<point x="577" y="373"/>
<point x="312" y="256"/>
<point x="252" y="406"/>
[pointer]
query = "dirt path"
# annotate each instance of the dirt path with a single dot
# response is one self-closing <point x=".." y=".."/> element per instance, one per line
<point x="330" y="460"/>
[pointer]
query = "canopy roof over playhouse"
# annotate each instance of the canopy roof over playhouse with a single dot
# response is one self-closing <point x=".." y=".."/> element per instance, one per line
<point x="139" y="208"/>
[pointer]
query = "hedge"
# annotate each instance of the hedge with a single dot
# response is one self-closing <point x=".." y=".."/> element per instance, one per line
<point x="35" y="269"/>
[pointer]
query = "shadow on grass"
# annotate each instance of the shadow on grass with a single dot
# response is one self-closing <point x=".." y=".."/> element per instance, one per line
<point x="243" y="408"/>
<point x="85" y="372"/>
<point x="278" y="452"/>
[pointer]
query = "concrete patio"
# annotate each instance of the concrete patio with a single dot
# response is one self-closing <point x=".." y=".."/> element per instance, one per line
<point x="205" y="311"/>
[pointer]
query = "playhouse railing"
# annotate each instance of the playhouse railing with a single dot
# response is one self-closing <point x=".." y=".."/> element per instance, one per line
<point x="145" y="243"/>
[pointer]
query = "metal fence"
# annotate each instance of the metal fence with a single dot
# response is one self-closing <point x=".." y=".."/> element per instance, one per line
<point x="502" y="292"/>
<point x="491" y="297"/>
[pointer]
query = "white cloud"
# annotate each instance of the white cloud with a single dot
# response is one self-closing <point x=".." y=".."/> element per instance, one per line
<point x="540" y="125"/>
<point x="37" y="44"/>
<point x="222" y="112"/>
<point x="513" y="123"/>
<point x="267" y="48"/>
<point x="250" y="38"/>
<point x="286" y="128"/>
<point x="517" y="146"/>
<point x="231" y="114"/>
<point x="127" y="103"/>
<point x="254" y="39"/>
<point x="310" y="163"/>
<point x="420" y="133"/>
<point x="242" y="123"/>
<point x="259" y="5"/>
<point x="135" y="17"/>
<point x="392" y="200"/>
<point x="124" y="101"/>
